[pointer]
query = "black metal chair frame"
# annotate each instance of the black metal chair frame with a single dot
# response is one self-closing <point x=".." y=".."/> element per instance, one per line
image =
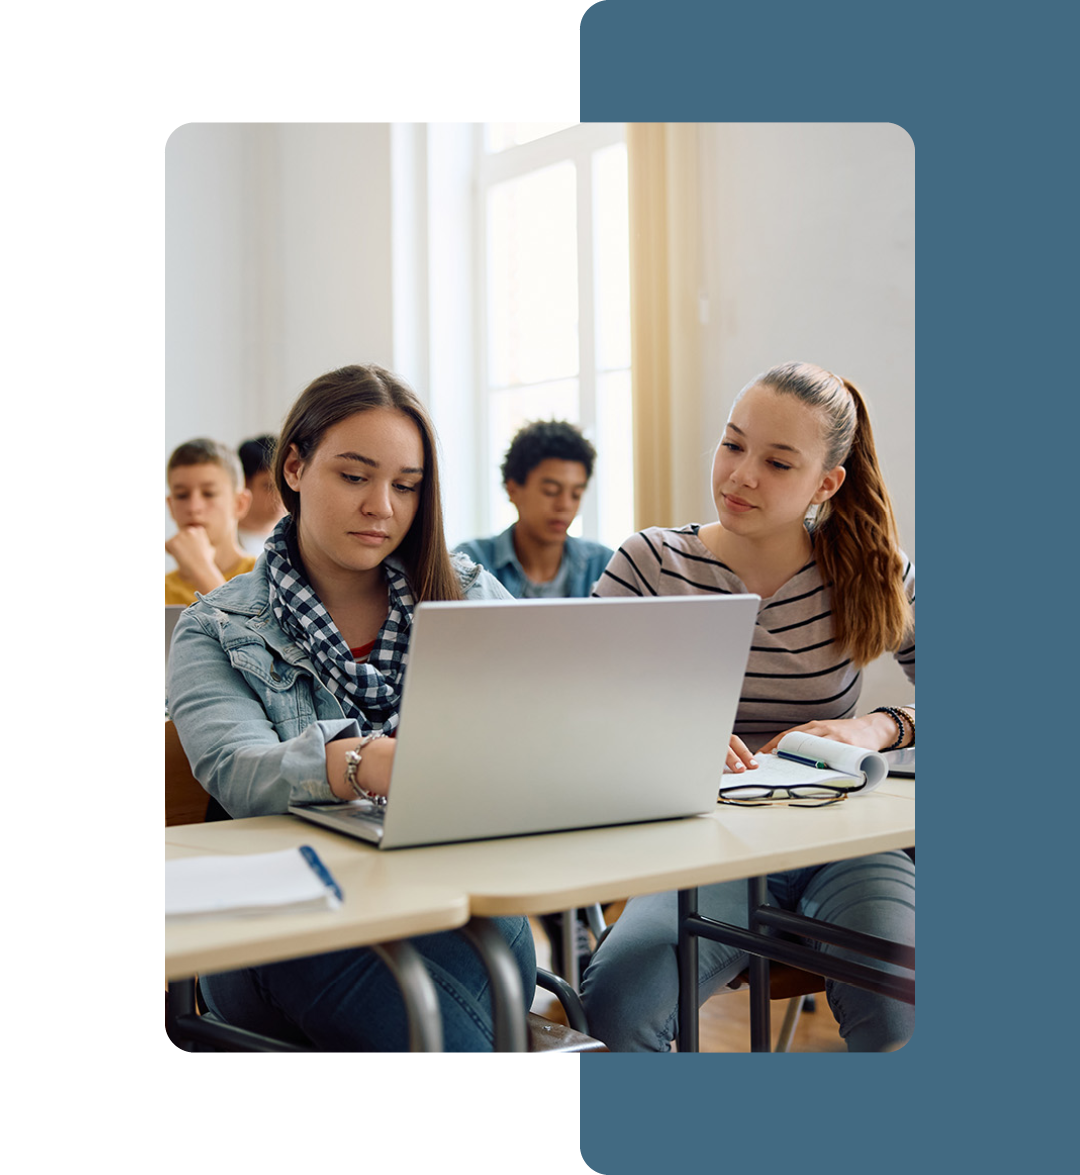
<point x="763" y="948"/>
<point x="187" y="1029"/>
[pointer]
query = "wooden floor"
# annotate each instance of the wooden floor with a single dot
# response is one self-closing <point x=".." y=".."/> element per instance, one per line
<point x="724" y="1022"/>
<point x="724" y="1026"/>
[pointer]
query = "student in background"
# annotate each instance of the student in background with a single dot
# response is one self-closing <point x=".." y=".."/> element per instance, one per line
<point x="266" y="510"/>
<point x="206" y="498"/>
<point x="804" y="521"/>
<point x="284" y="685"/>
<point x="545" y="472"/>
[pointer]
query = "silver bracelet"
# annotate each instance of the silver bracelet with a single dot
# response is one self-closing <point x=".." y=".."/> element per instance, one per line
<point x="352" y="765"/>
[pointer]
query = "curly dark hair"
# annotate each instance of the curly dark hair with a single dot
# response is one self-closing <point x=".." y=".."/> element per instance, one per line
<point x="540" y="439"/>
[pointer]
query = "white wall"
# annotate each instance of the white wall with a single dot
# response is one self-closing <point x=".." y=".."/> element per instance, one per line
<point x="213" y="278"/>
<point x="278" y="268"/>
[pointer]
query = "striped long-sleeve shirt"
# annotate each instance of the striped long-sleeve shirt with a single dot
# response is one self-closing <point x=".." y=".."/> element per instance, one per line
<point x="794" y="673"/>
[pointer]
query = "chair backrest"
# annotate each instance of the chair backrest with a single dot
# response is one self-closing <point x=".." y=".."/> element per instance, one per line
<point x="185" y="799"/>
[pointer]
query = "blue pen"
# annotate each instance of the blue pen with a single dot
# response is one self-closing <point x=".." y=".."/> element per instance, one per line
<point x="804" y="762"/>
<point x="321" y="871"/>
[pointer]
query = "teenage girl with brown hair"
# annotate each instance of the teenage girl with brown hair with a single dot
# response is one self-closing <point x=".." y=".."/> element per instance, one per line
<point x="285" y="683"/>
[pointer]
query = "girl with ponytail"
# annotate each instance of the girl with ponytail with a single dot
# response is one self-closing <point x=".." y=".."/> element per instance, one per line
<point x="854" y="532"/>
<point x="804" y="521"/>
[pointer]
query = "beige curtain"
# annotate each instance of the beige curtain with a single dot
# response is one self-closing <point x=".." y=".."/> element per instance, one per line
<point x="665" y="310"/>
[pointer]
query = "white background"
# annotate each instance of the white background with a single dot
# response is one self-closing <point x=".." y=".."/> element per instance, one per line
<point x="92" y="94"/>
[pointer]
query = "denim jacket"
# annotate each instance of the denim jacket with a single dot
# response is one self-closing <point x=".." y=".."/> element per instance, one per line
<point x="585" y="562"/>
<point x="251" y="712"/>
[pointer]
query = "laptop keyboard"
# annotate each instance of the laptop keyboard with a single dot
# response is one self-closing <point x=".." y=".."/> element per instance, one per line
<point x="369" y="812"/>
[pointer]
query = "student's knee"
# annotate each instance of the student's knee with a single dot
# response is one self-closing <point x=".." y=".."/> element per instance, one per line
<point x="630" y="990"/>
<point x="518" y="935"/>
<point x="870" y="1023"/>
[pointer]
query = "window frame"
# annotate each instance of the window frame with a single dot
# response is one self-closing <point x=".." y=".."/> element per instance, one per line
<point x="575" y="144"/>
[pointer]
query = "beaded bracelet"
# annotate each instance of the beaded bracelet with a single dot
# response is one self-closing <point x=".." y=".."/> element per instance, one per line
<point x="898" y="717"/>
<point x="907" y="713"/>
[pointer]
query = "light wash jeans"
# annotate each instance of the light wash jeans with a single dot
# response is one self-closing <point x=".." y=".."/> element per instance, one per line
<point x="348" y="1001"/>
<point x="631" y="988"/>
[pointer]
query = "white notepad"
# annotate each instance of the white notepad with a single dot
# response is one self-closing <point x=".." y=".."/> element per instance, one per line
<point x="288" y="881"/>
<point x="855" y="769"/>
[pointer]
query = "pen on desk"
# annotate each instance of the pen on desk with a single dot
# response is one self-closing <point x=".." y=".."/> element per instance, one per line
<point x="803" y="761"/>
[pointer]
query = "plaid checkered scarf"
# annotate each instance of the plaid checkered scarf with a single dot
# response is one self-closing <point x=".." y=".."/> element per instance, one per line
<point x="369" y="692"/>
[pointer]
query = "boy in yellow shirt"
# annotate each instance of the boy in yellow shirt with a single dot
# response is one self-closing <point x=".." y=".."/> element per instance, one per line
<point x="206" y="499"/>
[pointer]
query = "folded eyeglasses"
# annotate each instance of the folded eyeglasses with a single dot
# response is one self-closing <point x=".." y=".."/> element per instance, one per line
<point x="802" y="795"/>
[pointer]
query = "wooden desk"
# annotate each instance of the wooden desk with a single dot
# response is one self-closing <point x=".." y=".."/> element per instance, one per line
<point x="369" y="916"/>
<point x="896" y="785"/>
<point x="544" y="874"/>
<point x="553" y="872"/>
<point x="890" y="811"/>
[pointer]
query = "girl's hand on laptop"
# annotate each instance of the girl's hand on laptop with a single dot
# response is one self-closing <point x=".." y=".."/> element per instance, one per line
<point x="738" y="756"/>
<point x="376" y="765"/>
<point x="376" y="762"/>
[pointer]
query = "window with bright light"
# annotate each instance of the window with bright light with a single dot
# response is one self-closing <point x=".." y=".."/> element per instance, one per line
<point x="498" y="136"/>
<point x="555" y="305"/>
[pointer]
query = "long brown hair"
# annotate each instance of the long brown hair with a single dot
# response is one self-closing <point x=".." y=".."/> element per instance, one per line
<point x="854" y="533"/>
<point x="334" y="397"/>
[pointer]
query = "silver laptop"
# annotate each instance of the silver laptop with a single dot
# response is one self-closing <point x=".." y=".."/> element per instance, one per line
<point x="172" y="615"/>
<point x="529" y="716"/>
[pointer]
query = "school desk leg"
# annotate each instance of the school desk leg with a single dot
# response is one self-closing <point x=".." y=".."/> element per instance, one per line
<point x="508" y="998"/>
<point x="760" y="1026"/>
<point x="688" y="974"/>
<point x="418" y="992"/>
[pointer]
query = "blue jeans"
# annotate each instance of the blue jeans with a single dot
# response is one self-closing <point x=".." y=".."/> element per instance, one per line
<point x="631" y="988"/>
<point x="349" y="1001"/>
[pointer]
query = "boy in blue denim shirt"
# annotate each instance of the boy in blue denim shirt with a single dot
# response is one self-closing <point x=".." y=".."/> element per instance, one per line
<point x="545" y="472"/>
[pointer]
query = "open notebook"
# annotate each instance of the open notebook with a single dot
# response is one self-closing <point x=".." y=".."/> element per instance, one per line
<point x="812" y="759"/>
<point x="526" y="716"/>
